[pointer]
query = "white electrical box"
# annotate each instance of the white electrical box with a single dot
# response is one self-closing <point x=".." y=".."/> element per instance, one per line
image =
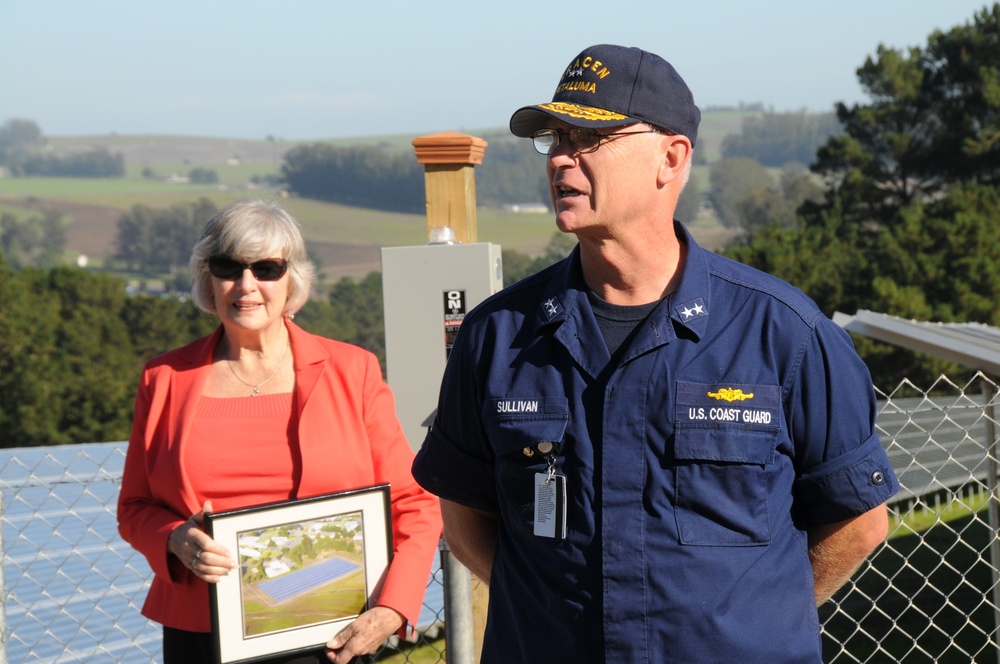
<point x="427" y="290"/>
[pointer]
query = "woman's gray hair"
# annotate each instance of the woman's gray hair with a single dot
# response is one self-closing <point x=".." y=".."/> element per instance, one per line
<point x="247" y="231"/>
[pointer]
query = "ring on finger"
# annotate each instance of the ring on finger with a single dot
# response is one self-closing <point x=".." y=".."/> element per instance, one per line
<point x="197" y="557"/>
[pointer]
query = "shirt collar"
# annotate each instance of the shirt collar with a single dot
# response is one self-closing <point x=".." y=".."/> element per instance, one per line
<point x="561" y="292"/>
<point x="690" y="303"/>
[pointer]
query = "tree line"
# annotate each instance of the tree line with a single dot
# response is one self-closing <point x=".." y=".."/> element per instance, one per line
<point x="22" y="154"/>
<point x="158" y="241"/>
<point x="37" y="240"/>
<point x="776" y="139"/>
<point x="743" y="192"/>
<point x="380" y="178"/>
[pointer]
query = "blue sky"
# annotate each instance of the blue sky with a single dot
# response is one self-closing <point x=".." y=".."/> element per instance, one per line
<point x="312" y="69"/>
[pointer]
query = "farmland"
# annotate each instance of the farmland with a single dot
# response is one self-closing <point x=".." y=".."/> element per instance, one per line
<point x="345" y="240"/>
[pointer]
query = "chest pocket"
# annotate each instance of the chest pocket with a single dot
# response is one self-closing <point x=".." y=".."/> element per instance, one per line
<point x="722" y="457"/>
<point x="515" y="427"/>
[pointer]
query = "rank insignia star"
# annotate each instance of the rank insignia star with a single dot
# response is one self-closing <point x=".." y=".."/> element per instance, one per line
<point x="551" y="307"/>
<point x="691" y="310"/>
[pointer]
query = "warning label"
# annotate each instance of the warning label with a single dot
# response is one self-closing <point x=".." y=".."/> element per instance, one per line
<point x="454" y="313"/>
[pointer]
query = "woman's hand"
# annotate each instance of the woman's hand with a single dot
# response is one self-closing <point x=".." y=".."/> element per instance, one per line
<point x="364" y="635"/>
<point x="199" y="552"/>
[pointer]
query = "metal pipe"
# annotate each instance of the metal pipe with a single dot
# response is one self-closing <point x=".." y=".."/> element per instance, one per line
<point x="3" y="593"/>
<point x="458" y="628"/>
<point x="994" y="496"/>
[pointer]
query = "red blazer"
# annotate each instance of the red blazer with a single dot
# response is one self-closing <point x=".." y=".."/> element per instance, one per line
<point x="349" y="437"/>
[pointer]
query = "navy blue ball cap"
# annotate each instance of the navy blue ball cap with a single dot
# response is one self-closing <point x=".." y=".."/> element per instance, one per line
<point x="614" y="86"/>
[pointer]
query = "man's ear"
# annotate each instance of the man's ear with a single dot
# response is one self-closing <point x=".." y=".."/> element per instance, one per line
<point x="676" y="155"/>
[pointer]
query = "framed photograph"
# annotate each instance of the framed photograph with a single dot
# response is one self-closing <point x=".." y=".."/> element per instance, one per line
<point x="307" y="568"/>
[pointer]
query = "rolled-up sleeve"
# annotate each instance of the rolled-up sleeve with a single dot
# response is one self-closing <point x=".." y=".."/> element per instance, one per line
<point x="843" y="468"/>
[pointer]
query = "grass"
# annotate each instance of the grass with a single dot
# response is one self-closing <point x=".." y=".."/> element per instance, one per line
<point x="422" y="652"/>
<point x="920" y="519"/>
<point x="330" y="222"/>
<point x="233" y="175"/>
<point x="119" y="193"/>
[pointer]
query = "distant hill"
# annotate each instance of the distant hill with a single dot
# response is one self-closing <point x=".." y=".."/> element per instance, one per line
<point x="345" y="239"/>
<point x="156" y="150"/>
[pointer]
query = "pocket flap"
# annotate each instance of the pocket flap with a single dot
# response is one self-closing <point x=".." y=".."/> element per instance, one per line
<point x="725" y="444"/>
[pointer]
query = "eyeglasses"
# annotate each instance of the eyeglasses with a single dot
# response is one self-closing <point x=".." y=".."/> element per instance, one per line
<point x="583" y="140"/>
<point x="270" y="269"/>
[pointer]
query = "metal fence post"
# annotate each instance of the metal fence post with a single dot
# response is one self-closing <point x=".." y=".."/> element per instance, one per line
<point x="459" y="638"/>
<point x="3" y="594"/>
<point x="994" y="507"/>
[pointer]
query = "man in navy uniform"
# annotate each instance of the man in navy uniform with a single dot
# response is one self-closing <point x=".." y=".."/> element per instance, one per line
<point x="651" y="453"/>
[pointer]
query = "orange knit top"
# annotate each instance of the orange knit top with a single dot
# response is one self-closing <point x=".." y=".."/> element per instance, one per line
<point x="243" y="451"/>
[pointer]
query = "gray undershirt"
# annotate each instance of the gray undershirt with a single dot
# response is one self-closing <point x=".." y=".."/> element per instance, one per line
<point x="617" y="322"/>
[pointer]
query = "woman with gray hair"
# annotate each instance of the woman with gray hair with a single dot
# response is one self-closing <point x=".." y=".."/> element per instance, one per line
<point x="261" y="411"/>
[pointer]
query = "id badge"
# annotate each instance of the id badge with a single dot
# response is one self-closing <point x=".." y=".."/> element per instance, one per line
<point x="550" y="506"/>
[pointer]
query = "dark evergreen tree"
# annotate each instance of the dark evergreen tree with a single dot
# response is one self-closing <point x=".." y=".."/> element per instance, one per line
<point x="907" y="225"/>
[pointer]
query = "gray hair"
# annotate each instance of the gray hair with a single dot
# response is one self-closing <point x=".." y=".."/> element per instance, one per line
<point x="686" y="173"/>
<point x="247" y="231"/>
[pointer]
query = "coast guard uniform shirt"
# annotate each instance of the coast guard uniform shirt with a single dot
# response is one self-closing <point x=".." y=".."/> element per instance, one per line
<point x="736" y="417"/>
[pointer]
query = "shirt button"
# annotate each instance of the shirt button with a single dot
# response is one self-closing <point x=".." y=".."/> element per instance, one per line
<point x="878" y="478"/>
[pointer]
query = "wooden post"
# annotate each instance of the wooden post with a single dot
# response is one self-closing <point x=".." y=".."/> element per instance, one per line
<point x="449" y="159"/>
<point x="450" y="181"/>
<point x="480" y="605"/>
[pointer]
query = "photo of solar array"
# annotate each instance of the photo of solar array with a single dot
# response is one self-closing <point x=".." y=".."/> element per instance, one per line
<point x="302" y="574"/>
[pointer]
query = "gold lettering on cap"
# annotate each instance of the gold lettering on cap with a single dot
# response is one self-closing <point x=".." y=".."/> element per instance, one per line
<point x="580" y="86"/>
<point x="596" y="66"/>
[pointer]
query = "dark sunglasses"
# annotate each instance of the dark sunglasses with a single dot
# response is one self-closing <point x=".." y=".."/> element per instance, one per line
<point x="270" y="269"/>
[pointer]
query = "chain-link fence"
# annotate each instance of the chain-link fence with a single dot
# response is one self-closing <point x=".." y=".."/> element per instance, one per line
<point x="931" y="593"/>
<point x="72" y="589"/>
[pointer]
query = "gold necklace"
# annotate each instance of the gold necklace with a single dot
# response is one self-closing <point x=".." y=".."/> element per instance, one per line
<point x="256" y="388"/>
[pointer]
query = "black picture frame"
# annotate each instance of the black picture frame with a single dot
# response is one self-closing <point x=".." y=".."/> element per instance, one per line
<point x="307" y="568"/>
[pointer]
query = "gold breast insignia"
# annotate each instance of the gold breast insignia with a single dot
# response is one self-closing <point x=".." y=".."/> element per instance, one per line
<point x="731" y="395"/>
